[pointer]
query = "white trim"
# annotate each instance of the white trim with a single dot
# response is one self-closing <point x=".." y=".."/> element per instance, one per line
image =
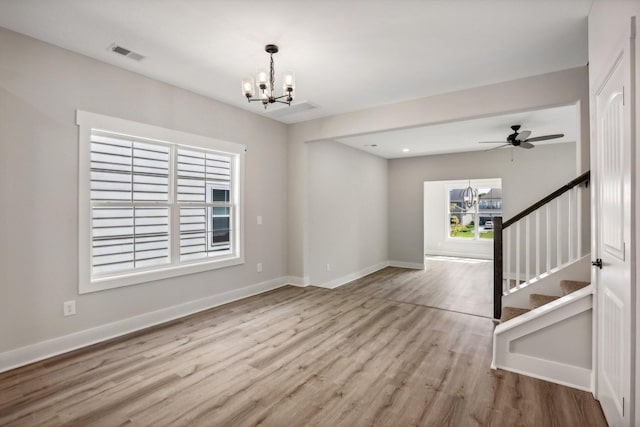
<point x="462" y="184"/>
<point x="547" y="283"/>
<point x="411" y="265"/>
<point x="301" y="282"/>
<point x="580" y="378"/>
<point x="354" y="276"/>
<point x="53" y="347"/>
<point x="537" y="320"/>
<point x="461" y="254"/>
<point x="467" y="240"/>
<point x="452" y="184"/>
<point x="170" y="136"/>
<point x="574" y="300"/>
<point x="343" y="280"/>
<point x="136" y="277"/>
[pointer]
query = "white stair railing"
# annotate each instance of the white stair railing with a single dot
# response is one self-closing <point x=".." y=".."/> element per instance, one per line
<point x="539" y="240"/>
<point x="553" y="231"/>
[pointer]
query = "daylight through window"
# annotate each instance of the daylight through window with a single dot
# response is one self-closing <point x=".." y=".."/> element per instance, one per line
<point x="475" y="222"/>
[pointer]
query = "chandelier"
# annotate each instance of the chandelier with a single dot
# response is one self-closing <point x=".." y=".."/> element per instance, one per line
<point x="265" y="82"/>
<point x="470" y="196"/>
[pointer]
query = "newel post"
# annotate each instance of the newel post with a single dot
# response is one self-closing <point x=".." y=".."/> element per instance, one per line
<point x="497" y="267"/>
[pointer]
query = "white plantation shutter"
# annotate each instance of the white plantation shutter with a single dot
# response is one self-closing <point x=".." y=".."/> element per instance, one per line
<point x="203" y="193"/>
<point x="129" y="198"/>
<point x="123" y="170"/>
<point x="198" y="169"/>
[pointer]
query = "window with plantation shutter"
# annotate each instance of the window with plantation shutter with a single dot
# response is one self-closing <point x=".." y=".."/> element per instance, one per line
<point x="154" y="203"/>
<point x="204" y="183"/>
<point x="129" y="204"/>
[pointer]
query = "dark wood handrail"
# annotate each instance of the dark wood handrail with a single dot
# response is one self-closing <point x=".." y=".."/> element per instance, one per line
<point x="560" y="191"/>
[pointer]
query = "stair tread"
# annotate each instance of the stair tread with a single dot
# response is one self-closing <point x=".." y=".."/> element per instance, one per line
<point x="509" y="313"/>
<point x="538" y="300"/>
<point x="569" y="286"/>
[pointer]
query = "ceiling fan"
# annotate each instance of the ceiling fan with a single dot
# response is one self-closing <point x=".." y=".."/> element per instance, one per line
<point x="521" y="139"/>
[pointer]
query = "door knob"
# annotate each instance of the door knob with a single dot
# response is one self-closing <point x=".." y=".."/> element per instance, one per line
<point x="597" y="263"/>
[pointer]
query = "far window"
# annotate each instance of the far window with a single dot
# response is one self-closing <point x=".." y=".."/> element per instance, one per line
<point x="475" y="222"/>
<point x="219" y="220"/>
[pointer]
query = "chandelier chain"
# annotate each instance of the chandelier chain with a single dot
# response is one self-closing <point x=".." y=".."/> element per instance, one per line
<point x="272" y="78"/>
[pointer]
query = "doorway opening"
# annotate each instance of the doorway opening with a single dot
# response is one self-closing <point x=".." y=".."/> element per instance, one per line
<point x="458" y="241"/>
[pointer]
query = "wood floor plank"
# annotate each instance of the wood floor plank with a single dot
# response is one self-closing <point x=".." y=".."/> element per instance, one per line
<point x="359" y="355"/>
<point x="469" y="285"/>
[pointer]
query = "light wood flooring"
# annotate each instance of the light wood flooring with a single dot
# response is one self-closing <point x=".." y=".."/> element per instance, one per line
<point x="456" y="284"/>
<point x="294" y="357"/>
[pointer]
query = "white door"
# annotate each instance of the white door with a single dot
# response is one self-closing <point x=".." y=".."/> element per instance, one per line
<point x="611" y="161"/>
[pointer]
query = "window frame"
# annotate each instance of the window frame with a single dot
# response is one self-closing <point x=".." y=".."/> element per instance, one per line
<point x="453" y="185"/>
<point x="87" y="123"/>
<point x="211" y="215"/>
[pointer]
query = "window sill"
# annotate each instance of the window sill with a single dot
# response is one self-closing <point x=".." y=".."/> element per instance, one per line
<point x="468" y="240"/>
<point x="101" y="284"/>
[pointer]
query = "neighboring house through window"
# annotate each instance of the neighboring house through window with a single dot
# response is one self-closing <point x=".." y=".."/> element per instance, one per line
<point x="474" y="222"/>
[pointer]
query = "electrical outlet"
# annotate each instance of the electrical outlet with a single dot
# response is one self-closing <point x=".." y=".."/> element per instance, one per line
<point x="259" y="267"/>
<point x="328" y="267"/>
<point x="69" y="308"/>
<point x="259" y="219"/>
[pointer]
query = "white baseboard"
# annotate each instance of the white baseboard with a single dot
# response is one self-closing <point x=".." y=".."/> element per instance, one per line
<point x="53" y="347"/>
<point x="42" y="350"/>
<point x="578" y="378"/>
<point x="301" y="282"/>
<point x="354" y="276"/>
<point x="403" y="264"/>
<point x="461" y="254"/>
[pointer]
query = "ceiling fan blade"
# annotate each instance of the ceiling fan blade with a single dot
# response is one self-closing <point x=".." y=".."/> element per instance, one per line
<point x="495" y="148"/>
<point x="525" y="144"/>
<point x="491" y="142"/>
<point x="545" y="137"/>
<point x="522" y="136"/>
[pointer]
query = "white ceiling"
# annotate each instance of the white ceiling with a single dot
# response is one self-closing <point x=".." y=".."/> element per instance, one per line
<point x="454" y="137"/>
<point x="348" y="55"/>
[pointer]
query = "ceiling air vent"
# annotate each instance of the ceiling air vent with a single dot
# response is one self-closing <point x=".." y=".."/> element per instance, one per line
<point x="125" y="52"/>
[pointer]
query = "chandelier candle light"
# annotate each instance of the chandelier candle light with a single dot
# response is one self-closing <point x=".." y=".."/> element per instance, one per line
<point x="265" y="82"/>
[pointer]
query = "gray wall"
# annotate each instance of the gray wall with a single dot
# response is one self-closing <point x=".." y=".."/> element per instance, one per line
<point x="41" y="86"/>
<point x="532" y="175"/>
<point x="348" y="211"/>
<point x="560" y="88"/>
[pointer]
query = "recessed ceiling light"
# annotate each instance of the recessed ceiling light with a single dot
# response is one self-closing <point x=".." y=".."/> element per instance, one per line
<point x="405" y="150"/>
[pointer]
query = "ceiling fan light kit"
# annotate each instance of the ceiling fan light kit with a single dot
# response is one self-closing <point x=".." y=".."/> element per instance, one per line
<point x="265" y="83"/>
<point x="521" y="139"/>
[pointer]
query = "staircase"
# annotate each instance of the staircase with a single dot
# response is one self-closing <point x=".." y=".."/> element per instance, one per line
<point x="540" y="300"/>
<point x="542" y="292"/>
